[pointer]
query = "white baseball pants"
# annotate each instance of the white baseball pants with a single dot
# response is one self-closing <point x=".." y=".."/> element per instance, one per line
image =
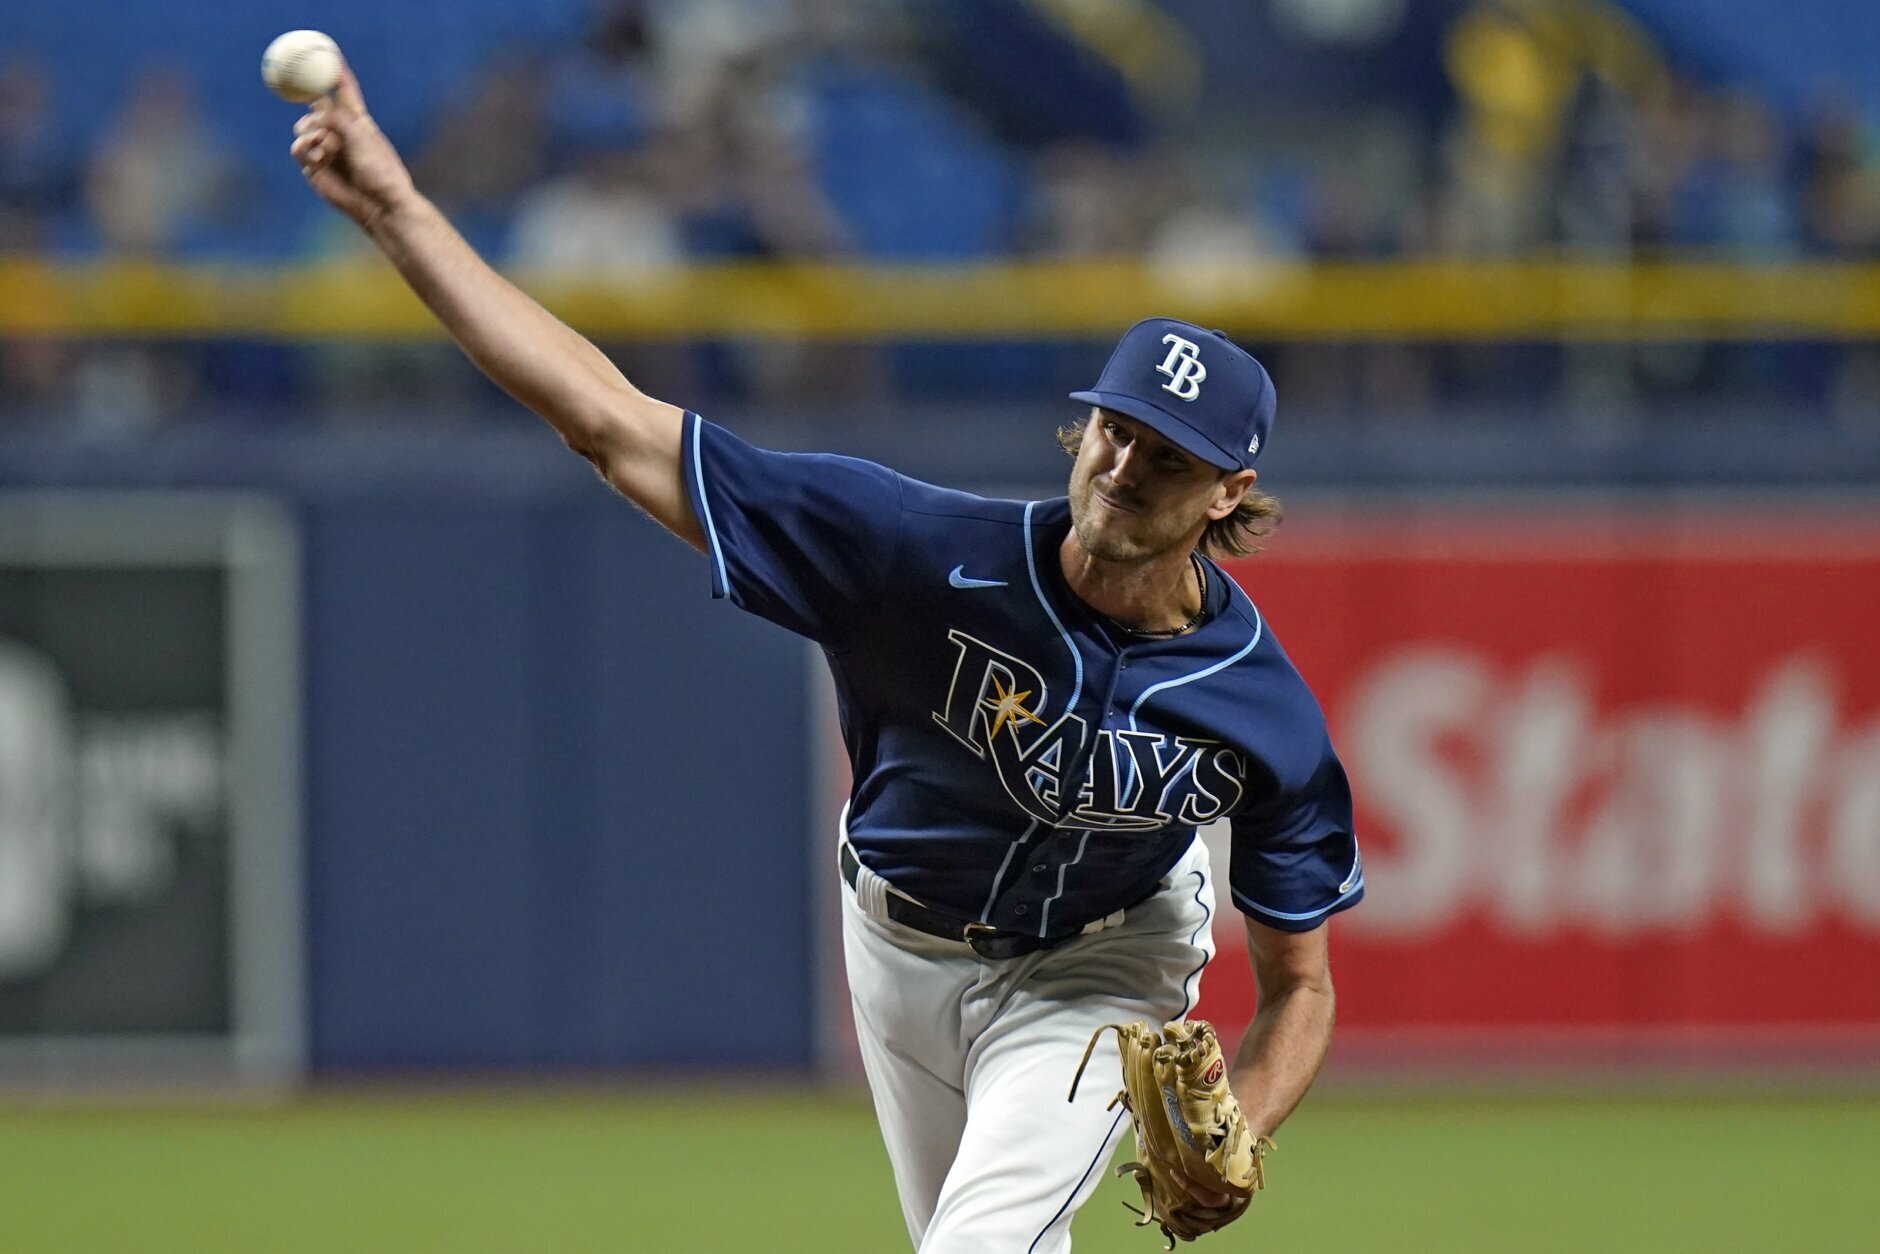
<point x="970" y="1059"/>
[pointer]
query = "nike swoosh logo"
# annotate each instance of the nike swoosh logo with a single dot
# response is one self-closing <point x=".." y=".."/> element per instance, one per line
<point x="959" y="579"/>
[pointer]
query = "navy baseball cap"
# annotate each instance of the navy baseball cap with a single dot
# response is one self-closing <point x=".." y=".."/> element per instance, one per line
<point x="1197" y="389"/>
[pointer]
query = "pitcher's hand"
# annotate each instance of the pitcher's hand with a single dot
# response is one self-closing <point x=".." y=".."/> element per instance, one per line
<point x="347" y="159"/>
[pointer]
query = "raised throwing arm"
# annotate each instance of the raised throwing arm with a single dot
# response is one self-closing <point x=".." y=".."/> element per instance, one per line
<point x="632" y="439"/>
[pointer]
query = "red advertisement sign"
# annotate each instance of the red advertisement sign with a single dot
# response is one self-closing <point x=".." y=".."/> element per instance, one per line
<point x="1618" y="774"/>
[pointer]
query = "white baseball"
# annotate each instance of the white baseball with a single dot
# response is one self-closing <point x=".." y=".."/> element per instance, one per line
<point x="301" y="65"/>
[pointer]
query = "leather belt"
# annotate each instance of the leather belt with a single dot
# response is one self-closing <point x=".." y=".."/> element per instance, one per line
<point x="987" y="941"/>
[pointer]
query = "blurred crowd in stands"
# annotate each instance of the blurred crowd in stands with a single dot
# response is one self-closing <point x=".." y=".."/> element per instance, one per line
<point x="857" y="129"/>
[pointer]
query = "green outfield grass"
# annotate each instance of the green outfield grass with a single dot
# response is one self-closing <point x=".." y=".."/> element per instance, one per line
<point x="716" y="1173"/>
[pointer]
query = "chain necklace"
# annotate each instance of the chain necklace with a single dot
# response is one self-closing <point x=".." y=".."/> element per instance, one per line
<point x="1169" y="633"/>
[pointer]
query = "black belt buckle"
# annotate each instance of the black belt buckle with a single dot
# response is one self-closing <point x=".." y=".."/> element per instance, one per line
<point x="989" y="942"/>
<point x="986" y="940"/>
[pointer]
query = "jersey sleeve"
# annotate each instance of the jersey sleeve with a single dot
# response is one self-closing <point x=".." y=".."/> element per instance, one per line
<point x="802" y="539"/>
<point x="1295" y="859"/>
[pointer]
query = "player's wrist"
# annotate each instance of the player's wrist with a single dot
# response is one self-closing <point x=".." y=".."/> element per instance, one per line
<point x="395" y="215"/>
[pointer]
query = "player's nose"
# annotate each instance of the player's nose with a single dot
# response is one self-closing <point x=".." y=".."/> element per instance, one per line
<point x="1127" y="469"/>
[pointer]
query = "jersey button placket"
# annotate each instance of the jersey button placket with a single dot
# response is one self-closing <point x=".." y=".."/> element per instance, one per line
<point x="1112" y="707"/>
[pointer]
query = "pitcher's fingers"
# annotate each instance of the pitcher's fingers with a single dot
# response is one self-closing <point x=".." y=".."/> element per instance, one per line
<point x="316" y="150"/>
<point x="328" y="148"/>
<point x="306" y="122"/>
<point x="347" y="92"/>
<point x="1207" y="1197"/>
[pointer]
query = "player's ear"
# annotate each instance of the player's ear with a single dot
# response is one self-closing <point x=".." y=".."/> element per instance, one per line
<point x="1233" y="490"/>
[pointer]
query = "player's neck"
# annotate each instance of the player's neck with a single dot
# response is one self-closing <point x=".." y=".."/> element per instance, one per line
<point x="1151" y="594"/>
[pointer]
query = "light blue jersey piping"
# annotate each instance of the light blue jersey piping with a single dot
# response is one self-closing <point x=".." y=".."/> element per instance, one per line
<point x="1031" y="568"/>
<point x="705" y="506"/>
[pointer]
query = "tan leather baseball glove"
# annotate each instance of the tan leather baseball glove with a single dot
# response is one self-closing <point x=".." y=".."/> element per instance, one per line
<point x="1187" y="1122"/>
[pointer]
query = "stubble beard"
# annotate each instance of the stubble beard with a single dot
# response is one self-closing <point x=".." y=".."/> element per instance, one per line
<point x="1154" y="534"/>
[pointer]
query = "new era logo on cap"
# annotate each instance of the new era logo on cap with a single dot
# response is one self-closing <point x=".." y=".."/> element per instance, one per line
<point x="1195" y="388"/>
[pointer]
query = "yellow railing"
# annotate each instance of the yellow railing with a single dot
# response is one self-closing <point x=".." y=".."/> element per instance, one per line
<point x="1537" y="300"/>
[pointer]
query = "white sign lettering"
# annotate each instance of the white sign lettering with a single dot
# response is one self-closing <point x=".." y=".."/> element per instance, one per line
<point x="1516" y="794"/>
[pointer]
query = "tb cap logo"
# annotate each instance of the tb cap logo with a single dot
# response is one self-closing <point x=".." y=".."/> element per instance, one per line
<point x="1183" y="367"/>
<point x="1226" y="424"/>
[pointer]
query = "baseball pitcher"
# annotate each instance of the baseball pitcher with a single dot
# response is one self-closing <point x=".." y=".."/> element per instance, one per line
<point x="1042" y="701"/>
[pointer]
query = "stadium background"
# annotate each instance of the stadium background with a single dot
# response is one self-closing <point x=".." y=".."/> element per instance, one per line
<point x="398" y="850"/>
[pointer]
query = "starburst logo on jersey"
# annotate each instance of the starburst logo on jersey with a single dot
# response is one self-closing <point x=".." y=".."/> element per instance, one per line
<point x="1183" y="367"/>
<point x="1007" y="705"/>
<point x="1120" y="779"/>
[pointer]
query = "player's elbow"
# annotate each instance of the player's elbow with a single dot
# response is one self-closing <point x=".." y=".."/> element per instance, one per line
<point x="598" y="428"/>
<point x="633" y="443"/>
<point x="609" y="454"/>
<point x="587" y="444"/>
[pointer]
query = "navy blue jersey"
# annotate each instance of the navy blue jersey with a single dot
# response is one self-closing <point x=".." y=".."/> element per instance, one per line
<point x="1014" y="760"/>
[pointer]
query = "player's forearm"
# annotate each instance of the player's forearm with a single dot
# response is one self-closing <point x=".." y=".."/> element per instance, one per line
<point x="632" y="439"/>
<point x="528" y="352"/>
<point x="1281" y="1053"/>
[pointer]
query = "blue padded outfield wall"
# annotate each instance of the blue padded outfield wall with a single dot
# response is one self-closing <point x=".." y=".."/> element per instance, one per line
<point x="554" y="794"/>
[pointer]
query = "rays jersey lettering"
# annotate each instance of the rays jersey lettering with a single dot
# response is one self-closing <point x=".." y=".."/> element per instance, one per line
<point x="1057" y="772"/>
<point x="972" y="744"/>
